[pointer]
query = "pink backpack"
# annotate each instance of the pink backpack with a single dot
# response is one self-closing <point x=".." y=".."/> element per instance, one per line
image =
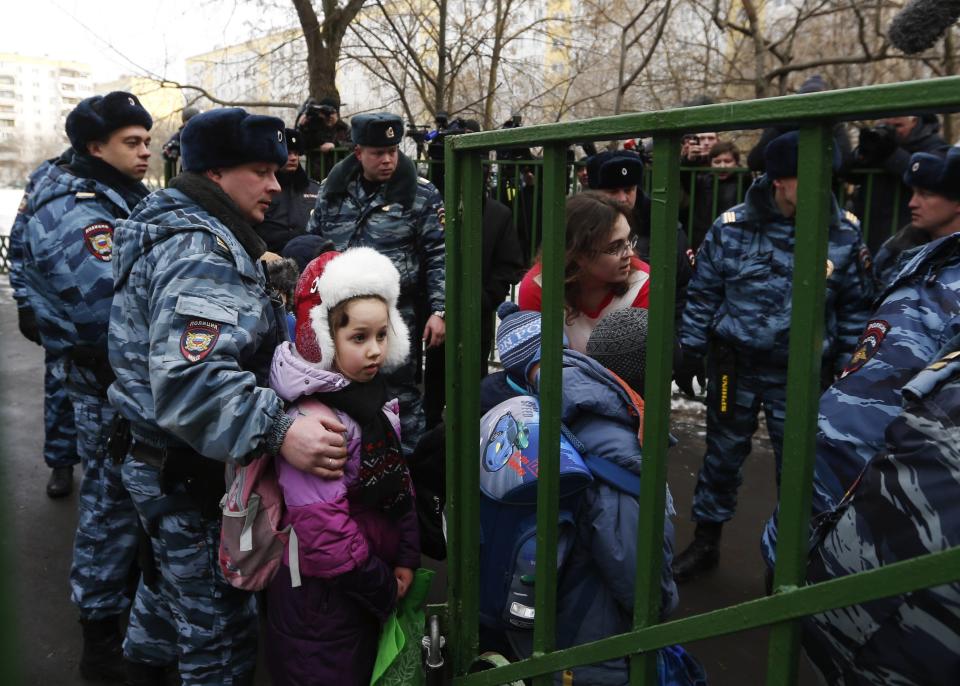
<point x="251" y="542"/>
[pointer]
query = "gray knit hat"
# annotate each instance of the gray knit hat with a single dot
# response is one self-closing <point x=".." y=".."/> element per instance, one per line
<point x="619" y="343"/>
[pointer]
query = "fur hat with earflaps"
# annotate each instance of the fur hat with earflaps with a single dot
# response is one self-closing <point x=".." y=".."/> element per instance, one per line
<point x="355" y="273"/>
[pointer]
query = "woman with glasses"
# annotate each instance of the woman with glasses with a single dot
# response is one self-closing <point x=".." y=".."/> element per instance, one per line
<point x="601" y="272"/>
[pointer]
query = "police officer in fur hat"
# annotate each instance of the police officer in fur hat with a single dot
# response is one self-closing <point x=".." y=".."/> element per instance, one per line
<point x="934" y="205"/>
<point x="192" y="334"/>
<point x="375" y="198"/>
<point x="68" y="252"/>
<point x="290" y="208"/>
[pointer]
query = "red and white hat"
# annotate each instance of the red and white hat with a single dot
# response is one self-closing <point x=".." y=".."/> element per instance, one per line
<point x="334" y="277"/>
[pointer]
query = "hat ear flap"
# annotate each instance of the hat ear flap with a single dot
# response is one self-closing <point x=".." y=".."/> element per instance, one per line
<point x="399" y="338"/>
<point x="320" y="322"/>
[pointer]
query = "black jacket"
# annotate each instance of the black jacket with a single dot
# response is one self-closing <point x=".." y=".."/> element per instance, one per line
<point x="290" y="210"/>
<point x="641" y="229"/>
<point x="502" y="264"/>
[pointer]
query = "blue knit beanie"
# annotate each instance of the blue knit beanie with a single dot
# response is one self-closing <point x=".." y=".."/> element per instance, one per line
<point x="518" y="340"/>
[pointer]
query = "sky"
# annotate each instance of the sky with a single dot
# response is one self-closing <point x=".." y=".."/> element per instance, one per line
<point x="117" y="37"/>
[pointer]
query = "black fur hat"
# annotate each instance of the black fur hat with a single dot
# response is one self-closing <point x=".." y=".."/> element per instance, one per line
<point x="378" y="130"/>
<point x="612" y="169"/>
<point x="230" y="137"/>
<point x="95" y="118"/>
<point x="933" y="173"/>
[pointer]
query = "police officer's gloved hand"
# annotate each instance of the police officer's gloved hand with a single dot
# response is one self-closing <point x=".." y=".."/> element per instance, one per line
<point x="27" y="321"/>
<point x="691" y="366"/>
<point x="876" y="144"/>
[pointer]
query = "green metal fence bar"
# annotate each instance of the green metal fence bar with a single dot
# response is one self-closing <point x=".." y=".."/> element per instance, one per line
<point x="803" y="384"/>
<point x="548" y="475"/>
<point x="926" y="571"/>
<point x="464" y="195"/>
<point x="665" y="192"/>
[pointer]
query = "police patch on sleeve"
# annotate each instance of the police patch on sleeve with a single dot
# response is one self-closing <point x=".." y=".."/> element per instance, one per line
<point x="198" y="339"/>
<point x="442" y="215"/>
<point x="98" y="238"/>
<point x="867" y="346"/>
<point x="864" y="257"/>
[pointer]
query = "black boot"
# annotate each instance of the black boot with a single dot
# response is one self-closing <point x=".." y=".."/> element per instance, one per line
<point x="140" y="674"/>
<point x="102" y="650"/>
<point x="60" y="483"/>
<point x="701" y="555"/>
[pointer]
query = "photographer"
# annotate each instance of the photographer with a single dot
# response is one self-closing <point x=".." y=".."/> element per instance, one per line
<point x="322" y="130"/>
<point x="889" y="145"/>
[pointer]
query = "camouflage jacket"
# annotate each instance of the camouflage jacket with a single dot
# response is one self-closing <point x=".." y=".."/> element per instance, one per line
<point x="918" y="314"/>
<point x="743" y="283"/>
<point x="15" y="251"/>
<point x="192" y="332"/>
<point x="67" y="249"/>
<point x="904" y="505"/>
<point x="403" y="220"/>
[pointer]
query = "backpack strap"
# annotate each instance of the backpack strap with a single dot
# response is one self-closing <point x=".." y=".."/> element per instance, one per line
<point x="293" y="557"/>
<point x="613" y="475"/>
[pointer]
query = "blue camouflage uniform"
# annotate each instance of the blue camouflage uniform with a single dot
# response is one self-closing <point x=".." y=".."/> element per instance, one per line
<point x="59" y="429"/>
<point x="192" y="333"/>
<point x="904" y="505"/>
<point x="403" y="219"/>
<point x="738" y="315"/>
<point x="69" y="284"/>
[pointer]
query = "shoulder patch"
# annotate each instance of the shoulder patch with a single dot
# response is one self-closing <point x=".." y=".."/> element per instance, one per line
<point x="198" y="339"/>
<point x="98" y="237"/>
<point x="222" y="244"/>
<point x="867" y="346"/>
<point x="851" y="217"/>
<point x="441" y="215"/>
<point x="728" y="217"/>
<point x="863" y="256"/>
<point x="85" y="195"/>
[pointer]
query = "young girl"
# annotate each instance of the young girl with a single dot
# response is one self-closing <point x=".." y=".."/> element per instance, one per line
<point x="357" y="535"/>
<point x="601" y="273"/>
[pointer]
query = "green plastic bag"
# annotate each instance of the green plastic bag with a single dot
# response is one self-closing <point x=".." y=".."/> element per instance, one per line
<point x="399" y="653"/>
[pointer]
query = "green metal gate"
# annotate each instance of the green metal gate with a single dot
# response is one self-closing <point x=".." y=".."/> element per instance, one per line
<point x="791" y="600"/>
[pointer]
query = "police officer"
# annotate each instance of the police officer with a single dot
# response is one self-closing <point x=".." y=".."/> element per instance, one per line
<point x="916" y="317"/>
<point x="68" y="249"/>
<point x="374" y="198"/>
<point x="290" y="208"/>
<point x="738" y="316"/>
<point x="192" y="333"/>
<point x="59" y="429"/>
<point x="619" y="174"/>
<point x="904" y="505"/>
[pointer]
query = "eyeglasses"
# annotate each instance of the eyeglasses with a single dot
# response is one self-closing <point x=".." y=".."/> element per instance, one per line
<point x="620" y="248"/>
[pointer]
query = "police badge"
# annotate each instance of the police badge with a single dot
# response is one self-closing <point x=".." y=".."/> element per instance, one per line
<point x="98" y="238"/>
<point x="198" y="339"/>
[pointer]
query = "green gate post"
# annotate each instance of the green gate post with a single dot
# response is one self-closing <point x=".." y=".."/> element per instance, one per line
<point x="548" y="475"/>
<point x="464" y="197"/>
<point x="815" y="173"/>
<point x="665" y="193"/>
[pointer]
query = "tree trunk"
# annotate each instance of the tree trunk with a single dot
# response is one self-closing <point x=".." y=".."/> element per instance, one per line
<point x="440" y="98"/>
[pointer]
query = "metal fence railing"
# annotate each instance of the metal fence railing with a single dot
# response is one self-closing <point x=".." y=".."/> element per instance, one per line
<point x="464" y="180"/>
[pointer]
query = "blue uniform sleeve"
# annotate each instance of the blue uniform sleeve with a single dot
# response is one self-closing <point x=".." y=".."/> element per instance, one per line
<point x="205" y="319"/>
<point x="853" y="304"/>
<point x="430" y="240"/>
<point x="15" y="253"/>
<point x="705" y="292"/>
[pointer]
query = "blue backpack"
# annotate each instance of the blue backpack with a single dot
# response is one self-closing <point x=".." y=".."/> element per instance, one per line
<point x="509" y="461"/>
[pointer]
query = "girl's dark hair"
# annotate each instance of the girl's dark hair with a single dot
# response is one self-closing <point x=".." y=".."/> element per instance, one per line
<point x="338" y="317"/>
<point x="590" y="217"/>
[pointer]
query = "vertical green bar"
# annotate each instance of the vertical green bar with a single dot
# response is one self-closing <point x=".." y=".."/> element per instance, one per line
<point x="463" y="182"/>
<point x="803" y="386"/>
<point x="548" y="475"/>
<point x="665" y="191"/>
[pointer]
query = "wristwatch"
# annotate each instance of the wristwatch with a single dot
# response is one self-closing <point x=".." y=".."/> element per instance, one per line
<point x="439" y="313"/>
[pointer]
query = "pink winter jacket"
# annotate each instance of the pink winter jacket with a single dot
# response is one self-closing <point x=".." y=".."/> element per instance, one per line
<point x="335" y="535"/>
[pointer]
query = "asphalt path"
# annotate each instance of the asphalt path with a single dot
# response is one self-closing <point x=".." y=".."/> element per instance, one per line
<point x="46" y="632"/>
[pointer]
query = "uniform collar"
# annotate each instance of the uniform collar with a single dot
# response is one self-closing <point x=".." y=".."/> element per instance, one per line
<point x="401" y="188"/>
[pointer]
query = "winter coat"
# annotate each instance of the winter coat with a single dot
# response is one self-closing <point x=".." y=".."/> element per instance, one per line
<point x="289" y="210"/>
<point x="403" y="219"/>
<point x="67" y="252"/>
<point x="641" y="229"/>
<point x="501" y="267"/>
<point x="742" y="287"/>
<point x="326" y="631"/>
<point x="904" y="505"/>
<point x="896" y="252"/>
<point x="192" y="332"/>
<point x="595" y="595"/>
<point x="885" y="217"/>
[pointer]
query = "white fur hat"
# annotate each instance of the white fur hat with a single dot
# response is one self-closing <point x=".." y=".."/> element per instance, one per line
<point x="358" y="272"/>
